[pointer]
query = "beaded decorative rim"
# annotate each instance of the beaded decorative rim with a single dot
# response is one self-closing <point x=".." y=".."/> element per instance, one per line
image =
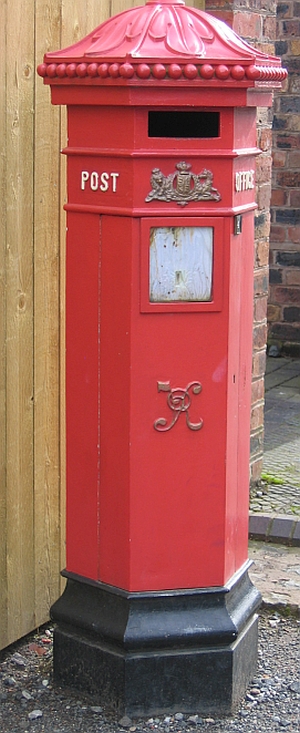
<point x="159" y="71"/>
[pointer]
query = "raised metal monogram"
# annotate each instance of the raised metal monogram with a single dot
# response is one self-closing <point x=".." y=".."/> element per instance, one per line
<point x="182" y="186"/>
<point x="179" y="401"/>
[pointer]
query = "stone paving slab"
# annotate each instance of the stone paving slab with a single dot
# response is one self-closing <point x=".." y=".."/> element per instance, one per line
<point x="283" y="394"/>
<point x="276" y="516"/>
<point x="283" y="378"/>
<point x="281" y="363"/>
<point x="282" y="528"/>
<point x="280" y="492"/>
<point x="276" y="574"/>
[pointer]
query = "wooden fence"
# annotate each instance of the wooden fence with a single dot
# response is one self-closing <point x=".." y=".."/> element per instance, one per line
<point x="32" y="187"/>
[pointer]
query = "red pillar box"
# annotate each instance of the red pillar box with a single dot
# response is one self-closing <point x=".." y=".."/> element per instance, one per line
<point x="159" y="614"/>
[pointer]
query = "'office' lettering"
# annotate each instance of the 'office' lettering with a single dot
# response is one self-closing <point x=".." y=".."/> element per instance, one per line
<point x="244" y="181"/>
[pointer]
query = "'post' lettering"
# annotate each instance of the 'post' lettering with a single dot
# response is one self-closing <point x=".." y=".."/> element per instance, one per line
<point x="84" y="178"/>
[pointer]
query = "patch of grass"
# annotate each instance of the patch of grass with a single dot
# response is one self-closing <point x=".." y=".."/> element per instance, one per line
<point x="295" y="508"/>
<point x="279" y="609"/>
<point x="269" y="479"/>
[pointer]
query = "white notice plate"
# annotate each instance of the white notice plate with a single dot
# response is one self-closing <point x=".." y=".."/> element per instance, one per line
<point x="181" y="264"/>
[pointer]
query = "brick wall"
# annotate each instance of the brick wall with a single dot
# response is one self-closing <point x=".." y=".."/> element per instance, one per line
<point x="284" y="300"/>
<point x="257" y="25"/>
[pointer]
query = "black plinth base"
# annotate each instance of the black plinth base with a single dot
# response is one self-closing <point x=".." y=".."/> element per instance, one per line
<point x="192" y="651"/>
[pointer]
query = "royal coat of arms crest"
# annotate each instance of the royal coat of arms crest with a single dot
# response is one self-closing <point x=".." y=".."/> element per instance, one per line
<point x="182" y="186"/>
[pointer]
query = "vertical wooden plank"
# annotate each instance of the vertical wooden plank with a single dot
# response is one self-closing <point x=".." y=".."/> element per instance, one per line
<point x="3" y="176"/>
<point x="117" y="6"/>
<point x="79" y="18"/>
<point x="19" y="385"/>
<point x="47" y="520"/>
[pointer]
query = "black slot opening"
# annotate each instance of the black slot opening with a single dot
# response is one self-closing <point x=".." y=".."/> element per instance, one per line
<point x="184" y="124"/>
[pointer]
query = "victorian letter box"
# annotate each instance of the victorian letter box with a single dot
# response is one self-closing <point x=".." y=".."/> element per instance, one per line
<point x="159" y="613"/>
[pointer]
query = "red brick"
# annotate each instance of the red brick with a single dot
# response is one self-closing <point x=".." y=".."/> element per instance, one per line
<point x="276" y="104"/>
<point x="272" y="293"/>
<point x="285" y="85"/>
<point x="212" y="5"/>
<point x="277" y="233"/>
<point x="279" y="159"/>
<point x="275" y="176"/>
<point x="261" y="282"/>
<point x="263" y="168"/>
<point x="295" y="198"/>
<point x="290" y="28"/>
<point x="225" y="15"/>
<point x="294" y="235"/>
<point x="292" y="277"/>
<point x="262" y="224"/>
<point x="286" y="296"/>
<point x="262" y="253"/>
<point x="248" y="25"/>
<point x="265" y="139"/>
<point x="264" y="196"/>
<point x="278" y="197"/>
<point x="285" y="9"/>
<point x="265" y="48"/>
<point x="293" y="86"/>
<point x="259" y="363"/>
<point x="272" y="254"/>
<point x="256" y="467"/>
<point x="295" y="47"/>
<point x="260" y="309"/>
<point x="269" y="6"/>
<point x="274" y="313"/>
<point x="286" y="332"/>
<point x="259" y="336"/>
<point x="294" y="120"/>
<point x="290" y="179"/>
<point x="264" y="116"/>
<point x="288" y="142"/>
<point x="269" y="27"/>
<point x="257" y="390"/>
<point x="294" y="159"/>
<point x="294" y="83"/>
<point x="257" y="416"/>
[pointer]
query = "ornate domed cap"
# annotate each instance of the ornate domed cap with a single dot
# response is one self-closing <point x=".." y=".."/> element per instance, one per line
<point x="162" y="40"/>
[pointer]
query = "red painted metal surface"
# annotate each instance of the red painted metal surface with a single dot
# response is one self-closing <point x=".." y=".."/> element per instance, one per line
<point x="158" y="42"/>
<point x="82" y="393"/>
<point x="168" y="510"/>
<point x="158" y="393"/>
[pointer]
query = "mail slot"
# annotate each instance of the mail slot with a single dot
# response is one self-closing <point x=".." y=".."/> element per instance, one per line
<point x="159" y="613"/>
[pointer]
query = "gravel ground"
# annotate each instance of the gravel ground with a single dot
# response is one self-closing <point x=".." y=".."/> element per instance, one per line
<point x="30" y="701"/>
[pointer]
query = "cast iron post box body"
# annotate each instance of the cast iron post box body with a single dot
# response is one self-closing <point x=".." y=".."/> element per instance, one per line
<point x="159" y="613"/>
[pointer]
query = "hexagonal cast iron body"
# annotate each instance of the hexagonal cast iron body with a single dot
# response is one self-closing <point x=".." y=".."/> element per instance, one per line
<point x="159" y="614"/>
